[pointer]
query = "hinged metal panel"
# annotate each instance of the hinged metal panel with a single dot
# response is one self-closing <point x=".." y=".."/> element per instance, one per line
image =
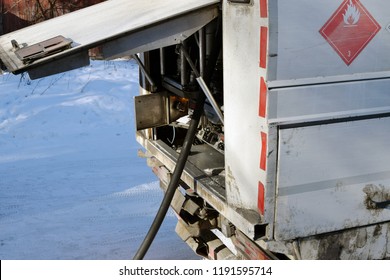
<point x="121" y="25"/>
<point x="158" y="109"/>
<point x="329" y="174"/>
<point x="151" y="110"/>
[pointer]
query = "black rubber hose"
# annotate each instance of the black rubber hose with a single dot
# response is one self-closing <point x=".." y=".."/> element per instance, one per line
<point x="185" y="151"/>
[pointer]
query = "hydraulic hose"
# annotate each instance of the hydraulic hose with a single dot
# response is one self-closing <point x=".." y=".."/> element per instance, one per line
<point x="183" y="156"/>
<point x="185" y="151"/>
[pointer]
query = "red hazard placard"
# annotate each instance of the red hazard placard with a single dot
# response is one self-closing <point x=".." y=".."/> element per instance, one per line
<point x="350" y="29"/>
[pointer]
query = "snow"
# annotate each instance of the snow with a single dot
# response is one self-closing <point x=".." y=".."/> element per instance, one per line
<point x="71" y="183"/>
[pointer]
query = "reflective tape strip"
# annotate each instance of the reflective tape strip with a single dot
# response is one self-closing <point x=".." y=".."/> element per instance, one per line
<point x="260" y="198"/>
<point x="262" y="98"/>
<point x="263" y="157"/>
<point x="263" y="9"/>
<point x="263" y="46"/>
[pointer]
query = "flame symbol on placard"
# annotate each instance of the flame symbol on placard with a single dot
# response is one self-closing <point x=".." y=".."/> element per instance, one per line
<point x="351" y="15"/>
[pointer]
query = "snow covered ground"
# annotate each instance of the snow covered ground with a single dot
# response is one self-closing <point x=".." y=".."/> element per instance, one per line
<point x="71" y="183"/>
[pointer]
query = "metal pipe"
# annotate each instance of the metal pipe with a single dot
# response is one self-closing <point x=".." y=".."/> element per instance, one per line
<point x="183" y="68"/>
<point x="190" y="62"/>
<point x="202" y="51"/>
<point x="144" y="71"/>
<point x="162" y="61"/>
<point x="203" y="85"/>
<point x="210" y="97"/>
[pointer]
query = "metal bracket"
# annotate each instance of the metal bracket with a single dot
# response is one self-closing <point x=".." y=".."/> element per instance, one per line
<point x="15" y="45"/>
<point x="240" y="1"/>
<point x="42" y="49"/>
<point x="203" y="85"/>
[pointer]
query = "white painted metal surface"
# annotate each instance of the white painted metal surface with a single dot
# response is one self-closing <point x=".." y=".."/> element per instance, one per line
<point x="292" y="178"/>
<point x="316" y="176"/>
<point x="242" y="125"/>
<point x="300" y="51"/>
<point x="329" y="100"/>
<point x="325" y="173"/>
<point x="98" y="24"/>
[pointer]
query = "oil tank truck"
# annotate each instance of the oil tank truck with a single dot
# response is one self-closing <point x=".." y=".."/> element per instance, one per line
<point x="266" y="122"/>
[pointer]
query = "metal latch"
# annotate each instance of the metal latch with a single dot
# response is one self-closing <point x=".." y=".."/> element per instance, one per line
<point x="42" y="49"/>
<point x="240" y="1"/>
<point x="377" y="197"/>
<point x="371" y="204"/>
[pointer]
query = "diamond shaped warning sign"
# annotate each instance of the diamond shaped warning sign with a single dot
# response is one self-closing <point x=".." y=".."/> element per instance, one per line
<point x="350" y="29"/>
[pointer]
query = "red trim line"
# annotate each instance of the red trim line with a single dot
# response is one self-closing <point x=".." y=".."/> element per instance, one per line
<point x="263" y="157"/>
<point x="263" y="9"/>
<point x="260" y="199"/>
<point x="263" y="98"/>
<point x="263" y="46"/>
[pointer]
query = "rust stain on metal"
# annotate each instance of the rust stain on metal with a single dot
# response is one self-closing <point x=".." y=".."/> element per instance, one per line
<point x="377" y="197"/>
<point x="377" y="230"/>
<point x="332" y="246"/>
<point x="232" y="188"/>
<point x="350" y="244"/>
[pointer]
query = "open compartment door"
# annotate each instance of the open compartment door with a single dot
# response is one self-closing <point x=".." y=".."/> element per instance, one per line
<point x="121" y="27"/>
